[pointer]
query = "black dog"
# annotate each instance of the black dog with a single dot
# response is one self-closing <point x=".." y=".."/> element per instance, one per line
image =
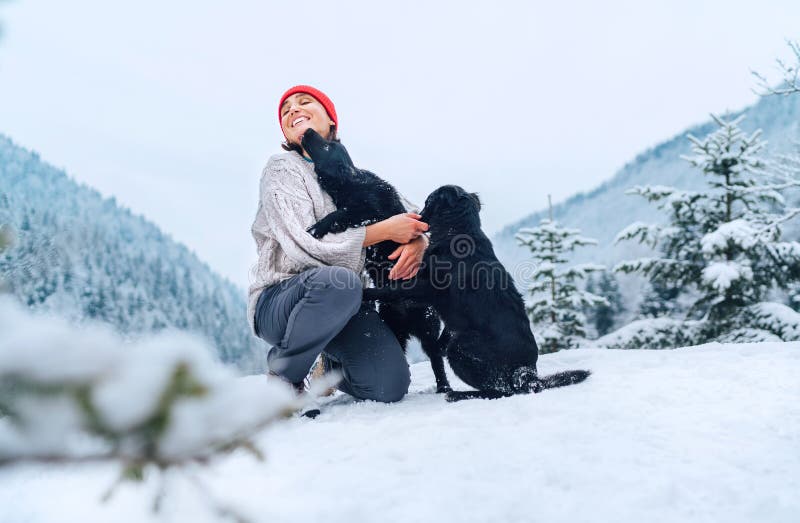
<point x="362" y="198"/>
<point x="491" y="346"/>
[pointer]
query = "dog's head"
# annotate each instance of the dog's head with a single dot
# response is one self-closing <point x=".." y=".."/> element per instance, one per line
<point x="452" y="206"/>
<point x="329" y="157"/>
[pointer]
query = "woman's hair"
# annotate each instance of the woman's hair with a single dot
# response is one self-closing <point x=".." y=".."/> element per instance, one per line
<point x="290" y="146"/>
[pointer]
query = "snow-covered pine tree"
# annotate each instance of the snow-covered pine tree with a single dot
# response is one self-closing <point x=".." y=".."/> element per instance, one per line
<point x="6" y="239"/>
<point x="721" y="247"/>
<point x="786" y="169"/>
<point x="659" y="300"/>
<point x="604" y="316"/>
<point x="557" y="304"/>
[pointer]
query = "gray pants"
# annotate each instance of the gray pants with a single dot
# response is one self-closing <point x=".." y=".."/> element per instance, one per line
<point x="320" y="311"/>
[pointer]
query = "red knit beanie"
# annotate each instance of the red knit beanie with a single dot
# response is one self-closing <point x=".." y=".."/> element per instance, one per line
<point x="316" y="93"/>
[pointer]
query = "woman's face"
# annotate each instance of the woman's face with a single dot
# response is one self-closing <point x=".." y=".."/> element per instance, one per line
<point x="302" y="111"/>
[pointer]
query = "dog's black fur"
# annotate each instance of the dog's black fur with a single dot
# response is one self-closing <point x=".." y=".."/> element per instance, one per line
<point x="362" y="198"/>
<point x="491" y="346"/>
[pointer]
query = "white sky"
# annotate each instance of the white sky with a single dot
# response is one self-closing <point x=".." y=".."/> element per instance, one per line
<point x="170" y="106"/>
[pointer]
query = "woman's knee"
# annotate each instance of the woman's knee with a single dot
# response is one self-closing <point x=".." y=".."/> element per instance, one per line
<point x="387" y="383"/>
<point x="394" y="386"/>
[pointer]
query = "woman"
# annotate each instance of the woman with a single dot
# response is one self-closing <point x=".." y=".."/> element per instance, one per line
<point x="306" y="295"/>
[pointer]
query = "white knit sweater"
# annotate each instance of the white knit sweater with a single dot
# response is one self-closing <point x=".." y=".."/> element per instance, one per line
<point x="290" y="201"/>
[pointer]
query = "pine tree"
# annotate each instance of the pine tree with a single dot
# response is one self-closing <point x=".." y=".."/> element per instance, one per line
<point x="605" y="315"/>
<point x="786" y="169"/>
<point x="6" y="241"/>
<point x="721" y="247"/>
<point x="557" y="302"/>
<point x="659" y="300"/>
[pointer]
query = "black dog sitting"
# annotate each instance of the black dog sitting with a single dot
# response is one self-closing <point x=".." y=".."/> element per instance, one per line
<point x="491" y="346"/>
<point x="362" y="198"/>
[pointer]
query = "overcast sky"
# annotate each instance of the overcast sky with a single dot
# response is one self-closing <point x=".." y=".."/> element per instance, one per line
<point x="170" y="106"/>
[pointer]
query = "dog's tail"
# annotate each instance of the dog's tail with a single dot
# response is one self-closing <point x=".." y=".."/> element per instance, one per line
<point x="560" y="379"/>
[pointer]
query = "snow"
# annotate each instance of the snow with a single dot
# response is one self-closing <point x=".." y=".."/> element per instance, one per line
<point x="720" y="275"/>
<point x="777" y="318"/>
<point x="739" y="232"/>
<point x="707" y="433"/>
<point x="26" y="340"/>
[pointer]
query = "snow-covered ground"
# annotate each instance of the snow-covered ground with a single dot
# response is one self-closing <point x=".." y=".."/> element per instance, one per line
<point x="708" y="433"/>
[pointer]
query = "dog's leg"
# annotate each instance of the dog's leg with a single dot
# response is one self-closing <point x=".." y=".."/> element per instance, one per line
<point x="416" y="290"/>
<point x="336" y="221"/>
<point x="426" y="324"/>
<point x="437" y="364"/>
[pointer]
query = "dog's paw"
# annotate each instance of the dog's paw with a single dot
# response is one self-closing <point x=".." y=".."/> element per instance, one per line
<point x="454" y="395"/>
<point x="316" y="231"/>
<point x="443" y="389"/>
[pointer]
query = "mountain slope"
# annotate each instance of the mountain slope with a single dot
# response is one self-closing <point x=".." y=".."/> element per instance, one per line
<point x="83" y="256"/>
<point x="604" y="211"/>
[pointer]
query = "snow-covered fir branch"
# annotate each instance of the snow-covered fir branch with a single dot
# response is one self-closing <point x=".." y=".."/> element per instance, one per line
<point x="790" y="75"/>
<point x="76" y="395"/>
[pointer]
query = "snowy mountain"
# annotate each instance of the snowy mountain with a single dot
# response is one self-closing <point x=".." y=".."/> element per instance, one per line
<point x="606" y="210"/>
<point x="698" y="434"/>
<point x="86" y="257"/>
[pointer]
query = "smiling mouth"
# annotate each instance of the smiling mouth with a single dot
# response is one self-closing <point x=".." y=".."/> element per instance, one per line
<point x="299" y="120"/>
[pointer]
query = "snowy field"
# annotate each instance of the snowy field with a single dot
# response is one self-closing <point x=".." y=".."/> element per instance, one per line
<point x="707" y="433"/>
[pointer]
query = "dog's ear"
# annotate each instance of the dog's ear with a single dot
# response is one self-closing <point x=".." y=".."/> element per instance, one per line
<point x="476" y="199"/>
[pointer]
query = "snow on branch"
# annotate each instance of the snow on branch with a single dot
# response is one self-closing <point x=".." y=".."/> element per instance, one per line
<point x="646" y="233"/>
<point x="790" y="82"/>
<point x="721" y="274"/>
<point x="788" y="215"/>
<point x="73" y="395"/>
<point x="739" y="231"/>
<point x="651" y="333"/>
<point x="653" y="192"/>
<point x="646" y="265"/>
<point x="785" y="168"/>
<point x="776" y="318"/>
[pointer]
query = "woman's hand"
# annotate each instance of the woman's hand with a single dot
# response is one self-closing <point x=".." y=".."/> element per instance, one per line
<point x="409" y="257"/>
<point x="400" y="228"/>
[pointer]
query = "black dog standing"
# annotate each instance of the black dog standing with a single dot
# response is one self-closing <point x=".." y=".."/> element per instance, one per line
<point x="491" y="346"/>
<point x="362" y="198"/>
